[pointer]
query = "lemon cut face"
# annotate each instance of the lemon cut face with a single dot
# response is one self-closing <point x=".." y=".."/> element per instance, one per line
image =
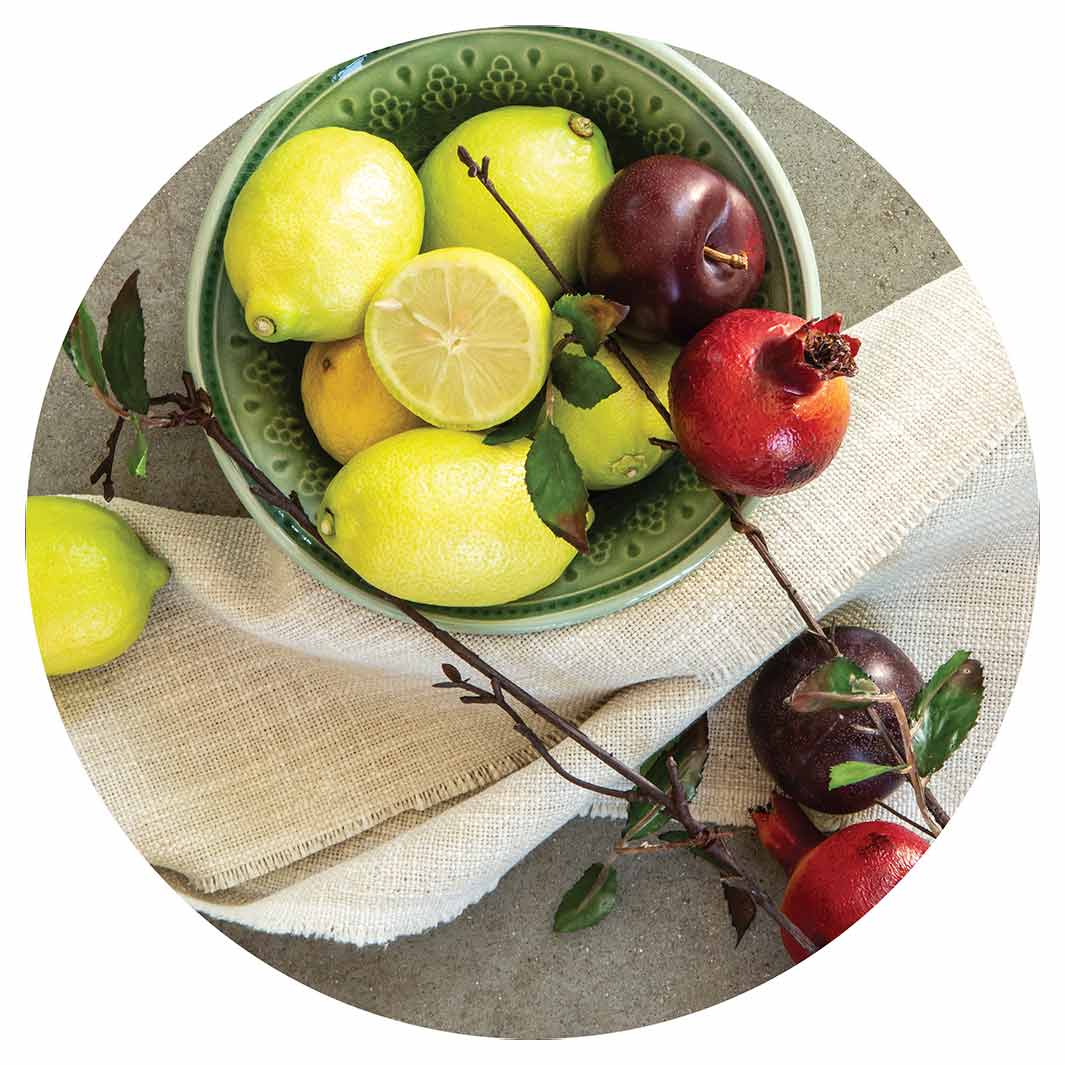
<point x="460" y="337"/>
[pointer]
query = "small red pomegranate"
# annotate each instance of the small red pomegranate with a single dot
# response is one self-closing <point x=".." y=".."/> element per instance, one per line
<point x="834" y="879"/>
<point x="758" y="399"/>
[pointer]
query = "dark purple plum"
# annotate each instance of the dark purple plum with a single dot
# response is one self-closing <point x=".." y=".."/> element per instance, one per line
<point x="676" y="242"/>
<point x="798" y="748"/>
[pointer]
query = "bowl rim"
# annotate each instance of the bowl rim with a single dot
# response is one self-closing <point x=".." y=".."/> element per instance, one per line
<point x="263" y="515"/>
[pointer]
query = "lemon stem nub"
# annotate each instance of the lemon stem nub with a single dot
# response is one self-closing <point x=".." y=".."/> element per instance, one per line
<point x="583" y="127"/>
<point x="264" y="326"/>
<point x="325" y="525"/>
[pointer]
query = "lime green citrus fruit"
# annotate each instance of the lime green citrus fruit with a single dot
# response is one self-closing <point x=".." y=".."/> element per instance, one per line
<point x="348" y="407"/>
<point x="91" y="582"/>
<point x="315" y="230"/>
<point x="548" y="163"/>
<point x="460" y="337"/>
<point x="611" y="441"/>
<point x="439" y="517"/>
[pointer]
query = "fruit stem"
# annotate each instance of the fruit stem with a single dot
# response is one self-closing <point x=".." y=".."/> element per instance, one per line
<point x="738" y="260"/>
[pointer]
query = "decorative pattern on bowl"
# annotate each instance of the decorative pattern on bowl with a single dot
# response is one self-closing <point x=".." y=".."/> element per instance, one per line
<point x="646" y="99"/>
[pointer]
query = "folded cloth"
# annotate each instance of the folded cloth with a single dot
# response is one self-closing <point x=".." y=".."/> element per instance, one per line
<point x="280" y="756"/>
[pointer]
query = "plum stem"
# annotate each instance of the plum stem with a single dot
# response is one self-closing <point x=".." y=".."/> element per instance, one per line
<point x="737" y="260"/>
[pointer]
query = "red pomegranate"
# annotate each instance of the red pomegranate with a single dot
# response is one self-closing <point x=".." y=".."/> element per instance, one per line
<point x="834" y="879"/>
<point x="759" y="400"/>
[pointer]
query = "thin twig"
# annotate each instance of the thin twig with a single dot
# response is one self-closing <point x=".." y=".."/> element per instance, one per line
<point x="910" y="759"/>
<point x="938" y="813"/>
<point x="902" y="817"/>
<point x="107" y="466"/>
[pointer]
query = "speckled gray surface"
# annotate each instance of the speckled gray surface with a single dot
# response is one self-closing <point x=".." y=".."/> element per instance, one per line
<point x="499" y="970"/>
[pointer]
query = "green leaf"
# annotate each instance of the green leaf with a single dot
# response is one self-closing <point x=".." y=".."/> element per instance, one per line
<point x="837" y="684"/>
<point x="844" y="773"/>
<point x="589" y="900"/>
<point x="123" y="350"/>
<point x="137" y="462"/>
<point x="945" y="710"/>
<point x="556" y="487"/>
<point x="689" y="750"/>
<point x="582" y="381"/>
<point x="593" y="318"/>
<point x="83" y="349"/>
<point x="522" y="424"/>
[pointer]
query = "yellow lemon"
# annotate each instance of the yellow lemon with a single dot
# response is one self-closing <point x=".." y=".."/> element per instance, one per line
<point x="461" y="337"/>
<point x="91" y="582"/>
<point x="611" y="441"/>
<point x="548" y="163"/>
<point x="315" y="230"/>
<point x="438" y="517"/>
<point x="348" y="407"/>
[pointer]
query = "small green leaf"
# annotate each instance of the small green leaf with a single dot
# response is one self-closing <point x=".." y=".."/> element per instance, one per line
<point x="521" y="425"/>
<point x="83" y="349"/>
<point x="123" y="349"/>
<point x="689" y="750"/>
<point x="556" y="487"/>
<point x="582" y="381"/>
<point x="837" y="684"/>
<point x="593" y="318"/>
<point x="844" y="773"/>
<point x="589" y="900"/>
<point x="946" y="709"/>
<point x="137" y="462"/>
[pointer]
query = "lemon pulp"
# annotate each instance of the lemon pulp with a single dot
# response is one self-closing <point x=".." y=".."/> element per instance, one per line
<point x="460" y="337"/>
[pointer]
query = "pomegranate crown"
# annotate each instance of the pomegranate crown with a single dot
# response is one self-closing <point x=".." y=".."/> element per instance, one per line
<point x="825" y="349"/>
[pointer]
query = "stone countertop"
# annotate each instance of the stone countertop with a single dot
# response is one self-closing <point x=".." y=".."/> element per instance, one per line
<point x="499" y="970"/>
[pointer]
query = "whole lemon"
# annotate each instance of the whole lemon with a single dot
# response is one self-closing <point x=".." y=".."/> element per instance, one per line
<point x="439" y="517"/>
<point x="611" y="441"/>
<point x="348" y="407"/>
<point x="317" y="228"/>
<point x="91" y="582"/>
<point x="548" y="163"/>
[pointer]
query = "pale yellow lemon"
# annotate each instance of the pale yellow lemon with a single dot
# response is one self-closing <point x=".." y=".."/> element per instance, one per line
<point x="91" y="582"/>
<point x="316" y="229"/>
<point x="439" y="517"/>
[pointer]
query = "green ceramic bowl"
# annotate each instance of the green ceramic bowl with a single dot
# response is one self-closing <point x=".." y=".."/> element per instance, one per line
<point x="646" y="98"/>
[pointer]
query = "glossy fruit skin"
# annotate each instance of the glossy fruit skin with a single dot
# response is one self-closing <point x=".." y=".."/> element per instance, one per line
<point x="643" y="246"/>
<point x="749" y="414"/>
<point x="844" y="877"/>
<point x="799" y="748"/>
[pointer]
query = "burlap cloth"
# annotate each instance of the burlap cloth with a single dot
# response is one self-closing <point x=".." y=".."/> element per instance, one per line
<point x="279" y="755"/>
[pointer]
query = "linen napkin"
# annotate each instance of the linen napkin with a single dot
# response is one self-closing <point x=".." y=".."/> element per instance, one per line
<point x="280" y="755"/>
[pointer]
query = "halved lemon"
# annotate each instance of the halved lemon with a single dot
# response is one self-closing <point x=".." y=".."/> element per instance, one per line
<point x="460" y="337"/>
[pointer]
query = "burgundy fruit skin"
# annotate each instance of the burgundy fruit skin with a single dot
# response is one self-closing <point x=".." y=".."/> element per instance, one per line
<point x="747" y="414"/>
<point x="798" y="748"/>
<point x="843" y="878"/>
<point x="643" y="246"/>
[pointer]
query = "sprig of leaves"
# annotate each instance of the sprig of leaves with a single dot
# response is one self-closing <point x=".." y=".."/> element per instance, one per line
<point x="943" y="714"/>
<point x="115" y="370"/>
<point x="595" y="893"/>
<point x="552" y="476"/>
